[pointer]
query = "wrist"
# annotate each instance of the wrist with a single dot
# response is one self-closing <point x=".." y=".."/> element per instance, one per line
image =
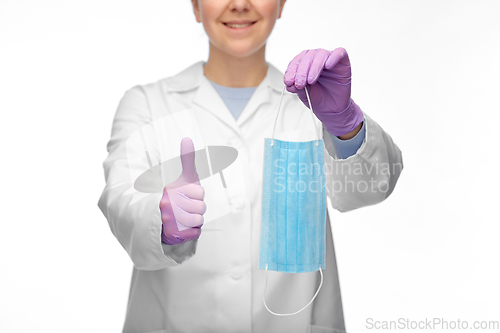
<point x="345" y="124"/>
<point x="351" y="134"/>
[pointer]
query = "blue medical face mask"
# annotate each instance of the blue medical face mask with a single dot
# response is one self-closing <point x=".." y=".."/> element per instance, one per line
<point x="292" y="238"/>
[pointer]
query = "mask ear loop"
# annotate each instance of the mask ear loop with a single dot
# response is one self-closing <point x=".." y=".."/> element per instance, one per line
<point x="296" y="312"/>
<point x="312" y="114"/>
<point x="279" y="108"/>
<point x="276" y="120"/>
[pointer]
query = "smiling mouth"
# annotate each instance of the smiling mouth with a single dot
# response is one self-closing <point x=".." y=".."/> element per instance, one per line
<point x="239" y="25"/>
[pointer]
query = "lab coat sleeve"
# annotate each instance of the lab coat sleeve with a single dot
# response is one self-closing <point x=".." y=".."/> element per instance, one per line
<point x="367" y="177"/>
<point x="134" y="217"/>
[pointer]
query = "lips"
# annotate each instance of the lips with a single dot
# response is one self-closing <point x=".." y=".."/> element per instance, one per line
<point x="239" y="24"/>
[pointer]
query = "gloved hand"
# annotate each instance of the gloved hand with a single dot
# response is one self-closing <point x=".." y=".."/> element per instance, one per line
<point x="329" y="76"/>
<point x="182" y="206"/>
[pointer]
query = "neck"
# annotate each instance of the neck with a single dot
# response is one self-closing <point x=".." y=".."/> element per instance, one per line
<point x="238" y="72"/>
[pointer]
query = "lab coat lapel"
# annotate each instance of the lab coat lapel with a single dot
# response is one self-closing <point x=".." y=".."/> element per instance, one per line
<point x="262" y="95"/>
<point x="207" y="98"/>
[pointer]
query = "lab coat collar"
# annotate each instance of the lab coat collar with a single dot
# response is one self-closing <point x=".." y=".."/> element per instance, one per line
<point x="207" y="98"/>
<point x="188" y="79"/>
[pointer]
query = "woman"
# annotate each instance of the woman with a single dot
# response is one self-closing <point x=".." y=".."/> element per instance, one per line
<point x="188" y="281"/>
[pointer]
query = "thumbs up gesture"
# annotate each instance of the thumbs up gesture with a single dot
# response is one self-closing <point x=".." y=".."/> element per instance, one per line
<point x="182" y="206"/>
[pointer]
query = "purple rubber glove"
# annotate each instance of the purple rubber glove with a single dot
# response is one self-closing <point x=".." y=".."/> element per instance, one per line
<point x="329" y="76"/>
<point x="182" y="206"/>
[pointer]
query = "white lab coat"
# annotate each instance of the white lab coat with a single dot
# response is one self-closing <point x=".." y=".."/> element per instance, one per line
<point x="214" y="284"/>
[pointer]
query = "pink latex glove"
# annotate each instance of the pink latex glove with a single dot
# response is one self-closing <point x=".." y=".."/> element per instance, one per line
<point x="329" y="76"/>
<point x="182" y="206"/>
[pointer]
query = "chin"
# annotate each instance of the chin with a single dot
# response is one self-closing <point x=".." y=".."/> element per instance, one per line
<point x="242" y="52"/>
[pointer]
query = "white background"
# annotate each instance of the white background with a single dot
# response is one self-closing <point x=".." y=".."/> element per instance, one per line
<point x="426" y="70"/>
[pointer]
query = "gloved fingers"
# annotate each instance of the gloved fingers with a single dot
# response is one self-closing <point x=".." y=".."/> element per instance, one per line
<point x="339" y="55"/>
<point x="292" y="89"/>
<point x="189" y="234"/>
<point x="167" y="213"/>
<point x="317" y="66"/>
<point x="303" y="69"/>
<point x="179" y="226"/>
<point x="185" y="218"/>
<point x="175" y="236"/>
<point x="302" y="96"/>
<point x="300" y="93"/>
<point x="289" y="77"/>
<point x="192" y="191"/>
<point x="191" y="206"/>
<point x="192" y="220"/>
<point x="167" y="234"/>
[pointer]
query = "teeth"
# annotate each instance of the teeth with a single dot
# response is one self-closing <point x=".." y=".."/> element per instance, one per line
<point x="238" y="25"/>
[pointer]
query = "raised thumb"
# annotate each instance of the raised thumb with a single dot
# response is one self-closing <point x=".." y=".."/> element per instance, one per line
<point x="188" y="161"/>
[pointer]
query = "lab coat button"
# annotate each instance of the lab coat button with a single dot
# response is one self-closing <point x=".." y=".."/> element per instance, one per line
<point x="236" y="273"/>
